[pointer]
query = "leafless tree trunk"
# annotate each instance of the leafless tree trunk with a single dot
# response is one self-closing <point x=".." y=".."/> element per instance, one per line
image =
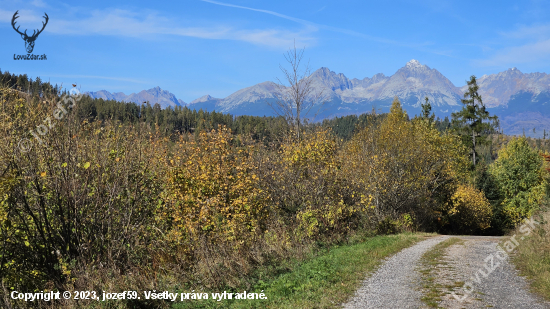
<point x="296" y="96"/>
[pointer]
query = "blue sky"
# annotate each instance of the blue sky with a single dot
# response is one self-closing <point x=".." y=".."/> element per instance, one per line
<point x="195" y="47"/>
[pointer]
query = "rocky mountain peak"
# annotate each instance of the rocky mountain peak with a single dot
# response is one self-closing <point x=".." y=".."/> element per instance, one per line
<point x="153" y="95"/>
<point x="156" y="90"/>
<point x="414" y="64"/>
<point x="414" y="68"/>
<point x="513" y="71"/>
<point x="204" y="98"/>
<point x="322" y="71"/>
<point x="324" y="77"/>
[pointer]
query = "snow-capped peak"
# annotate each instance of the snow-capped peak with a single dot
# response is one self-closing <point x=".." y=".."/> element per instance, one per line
<point x="414" y="64"/>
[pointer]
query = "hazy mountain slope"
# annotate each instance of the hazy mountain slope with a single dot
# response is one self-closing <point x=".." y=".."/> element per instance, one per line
<point x="153" y="95"/>
<point x="524" y="123"/>
<point x="106" y="95"/>
<point x="497" y="89"/>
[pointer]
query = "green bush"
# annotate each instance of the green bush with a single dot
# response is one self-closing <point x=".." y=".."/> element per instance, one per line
<point x="519" y="174"/>
<point x="387" y="226"/>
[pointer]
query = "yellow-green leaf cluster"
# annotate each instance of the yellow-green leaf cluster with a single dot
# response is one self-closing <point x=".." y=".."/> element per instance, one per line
<point x="469" y="210"/>
<point x="404" y="166"/>
<point x="520" y="175"/>
<point x="213" y="190"/>
<point x="308" y="185"/>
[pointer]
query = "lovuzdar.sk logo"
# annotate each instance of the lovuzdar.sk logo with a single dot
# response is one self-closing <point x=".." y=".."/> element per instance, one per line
<point x="29" y="39"/>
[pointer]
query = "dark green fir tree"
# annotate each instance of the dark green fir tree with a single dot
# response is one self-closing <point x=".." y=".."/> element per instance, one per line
<point x="473" y="123"/>
<point x="426" y="110"/>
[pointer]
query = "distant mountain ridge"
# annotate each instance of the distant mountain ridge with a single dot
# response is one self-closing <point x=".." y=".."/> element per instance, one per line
<point x="154" y="95"/>
<point x="412" y="80"/>
<point x="507" y="94"/>
<point x="346" y="96"/>
<point x="497" y="89"/>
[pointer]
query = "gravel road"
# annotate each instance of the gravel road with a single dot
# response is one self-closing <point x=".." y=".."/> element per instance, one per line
<point x="395" y="283"/>
<point x="398" y="284"/>
<point x="491" y="281"/>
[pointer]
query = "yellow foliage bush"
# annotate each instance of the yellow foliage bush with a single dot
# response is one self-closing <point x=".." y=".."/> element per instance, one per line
<point x="404" y="166"/>
<point x="213" y="191"/>
<point x="469" y="210"/>
<point x="320" y="196"/>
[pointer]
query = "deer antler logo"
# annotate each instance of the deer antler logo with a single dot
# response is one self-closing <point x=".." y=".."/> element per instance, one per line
<point x="29" y="40"/>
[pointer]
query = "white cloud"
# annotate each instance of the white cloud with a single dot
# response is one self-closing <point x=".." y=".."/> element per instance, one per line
<point x="524" y="45"/>
<point x="315" y="26"/>
<point x="510" y="56"/>
<point x="117" y="22"/>
<point x="39" y="3"/>
<point x="145" y="24"/>
<point x="23" y="16"/>
<point x="5" y="15"/>
<point x="149" y="24"/>
<point x="319" y="10"/>
<point x="301" y="21"/>
<point x="529" y="32"/>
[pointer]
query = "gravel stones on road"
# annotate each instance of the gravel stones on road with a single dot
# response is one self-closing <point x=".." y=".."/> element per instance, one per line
<point x="395" y="283"/>
<point x="398" y="283"/>
<point x="492" y="279"/>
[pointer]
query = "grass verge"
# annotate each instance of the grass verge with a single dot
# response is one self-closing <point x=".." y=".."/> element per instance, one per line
<point x="429" y="262"/>
<point x="532" y="256"/>
<point x="325" y="281"/>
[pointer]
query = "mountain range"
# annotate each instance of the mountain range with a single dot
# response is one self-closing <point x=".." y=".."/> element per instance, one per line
<point x="521" y="100"/>
<point x="153" y="95"/>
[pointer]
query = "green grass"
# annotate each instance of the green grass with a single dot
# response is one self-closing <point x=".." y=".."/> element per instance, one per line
<point x="532" y="256"/>
<point x="429" y="262"/>
<point x="325" y="281"/>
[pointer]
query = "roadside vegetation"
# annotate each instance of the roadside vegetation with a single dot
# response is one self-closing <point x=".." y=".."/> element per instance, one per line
<point x="127" y="202"/>
<point x="325" y="280"/>
<point x="532" y="257"/>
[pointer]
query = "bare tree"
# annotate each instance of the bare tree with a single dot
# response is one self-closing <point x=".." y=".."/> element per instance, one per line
<point x="296" y="96"/>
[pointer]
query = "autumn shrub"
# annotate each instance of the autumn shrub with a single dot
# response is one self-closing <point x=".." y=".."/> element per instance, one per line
<point x="100" y="206"/>
<point x="308" y="187"/>
<point x="387" y="226"/>
<point x="406" y="223"/>
<point x="469" y="211"/>
<point x="82" y="197"/>
<point x="520" y="177"/>
<point x="405" y="167"/>
<point x="215" y="207"/>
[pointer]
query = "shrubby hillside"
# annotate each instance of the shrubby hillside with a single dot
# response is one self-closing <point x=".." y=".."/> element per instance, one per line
<point x="103" y="195"/>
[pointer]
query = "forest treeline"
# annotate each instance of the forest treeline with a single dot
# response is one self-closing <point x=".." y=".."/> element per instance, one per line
<point x="121" y="197"/>
<point x="174" y="121"/>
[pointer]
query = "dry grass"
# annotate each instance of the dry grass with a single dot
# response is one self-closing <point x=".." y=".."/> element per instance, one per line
<point x="532" y="257"/>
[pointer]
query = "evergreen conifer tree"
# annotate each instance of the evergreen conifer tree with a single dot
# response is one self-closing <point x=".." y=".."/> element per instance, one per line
<point x="473" y="123"/>
<point x="426" y="110"/>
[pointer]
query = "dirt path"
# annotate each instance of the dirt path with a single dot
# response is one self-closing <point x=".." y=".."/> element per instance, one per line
<point x="474" y="274"/>
<point x="394" y="284"/>
<point x="490" y="280"/>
